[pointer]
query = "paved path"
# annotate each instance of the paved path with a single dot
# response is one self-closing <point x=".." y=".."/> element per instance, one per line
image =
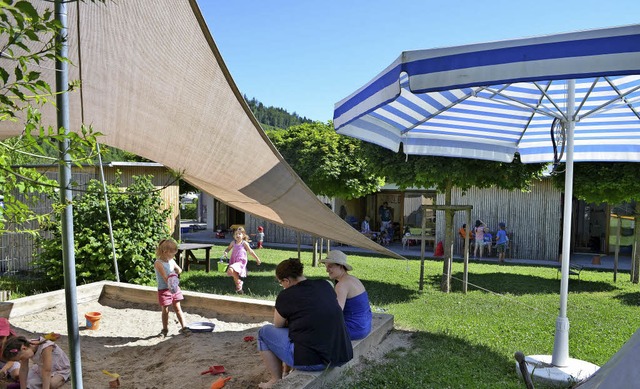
<point x="413" y="252"/>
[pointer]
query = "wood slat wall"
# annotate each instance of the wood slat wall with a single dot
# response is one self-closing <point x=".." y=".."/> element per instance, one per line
<point x="534" y="218"/>
<point x="18" y="250"/>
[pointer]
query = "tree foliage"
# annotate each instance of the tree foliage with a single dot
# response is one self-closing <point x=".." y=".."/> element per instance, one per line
<point x="273" y="117"/>
<point x="604" y="182"/>
<point x="443" y="172"/>
<point x="138" y="225"/>
<point x="329" y="163"/>
<point x="28" y="41"/>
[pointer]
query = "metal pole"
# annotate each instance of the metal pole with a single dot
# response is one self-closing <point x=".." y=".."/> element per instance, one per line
<point x="106" y="202"/>
<point x="68" y="254"/>
<point x="423" y="225"/>
<point x="560" y="355"/>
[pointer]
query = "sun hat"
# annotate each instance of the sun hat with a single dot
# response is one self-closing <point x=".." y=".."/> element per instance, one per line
<point x="337" y="257"/>
<point x="5" y="328"/>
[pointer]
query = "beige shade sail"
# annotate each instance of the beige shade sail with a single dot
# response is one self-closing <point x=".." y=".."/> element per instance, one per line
<point x="154" y="83"/>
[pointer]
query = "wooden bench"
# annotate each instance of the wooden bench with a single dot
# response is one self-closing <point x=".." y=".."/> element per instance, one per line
<point x="574" y="270"/>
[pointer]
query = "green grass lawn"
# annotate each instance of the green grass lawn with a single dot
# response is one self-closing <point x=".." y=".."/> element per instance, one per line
<point x="463" y="340"/>
<point x="466" y="340"/>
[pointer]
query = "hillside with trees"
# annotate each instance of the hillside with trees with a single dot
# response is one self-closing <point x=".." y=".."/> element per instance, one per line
<point x="273" y="117"/>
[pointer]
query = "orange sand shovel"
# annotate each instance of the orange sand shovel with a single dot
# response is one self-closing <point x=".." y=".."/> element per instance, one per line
<point x="219" y="383"/>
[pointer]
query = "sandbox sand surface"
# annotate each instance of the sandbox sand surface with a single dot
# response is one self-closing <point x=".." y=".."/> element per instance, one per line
<point x="128" y="343"/>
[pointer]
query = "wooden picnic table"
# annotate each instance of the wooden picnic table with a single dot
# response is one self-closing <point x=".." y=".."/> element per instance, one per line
<point x="429" y="239"/>
<point x="190" y="258"/>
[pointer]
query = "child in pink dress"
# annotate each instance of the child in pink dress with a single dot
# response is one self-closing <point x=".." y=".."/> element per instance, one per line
<point x="51" y="368"/>
<point x="238" y="263"/>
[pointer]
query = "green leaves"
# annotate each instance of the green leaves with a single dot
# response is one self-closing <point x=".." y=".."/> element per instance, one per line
<point x="330" y="164"/>
<point x="139" y="222"/>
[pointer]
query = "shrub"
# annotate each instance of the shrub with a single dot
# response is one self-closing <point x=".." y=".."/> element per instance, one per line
<point x="138" y="220"/>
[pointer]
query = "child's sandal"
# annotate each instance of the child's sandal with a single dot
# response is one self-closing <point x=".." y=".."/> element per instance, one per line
<point x="164" y="333"/>
<point x="239" y="287"/>
<point x="185" y="331"/>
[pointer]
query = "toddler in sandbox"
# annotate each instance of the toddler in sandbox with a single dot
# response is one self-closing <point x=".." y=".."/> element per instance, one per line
<point x="169" y="293"/>
<point x="51" y="367"/>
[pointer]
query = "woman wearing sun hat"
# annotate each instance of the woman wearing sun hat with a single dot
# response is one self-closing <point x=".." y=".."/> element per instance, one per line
<point x="352" y="296"/>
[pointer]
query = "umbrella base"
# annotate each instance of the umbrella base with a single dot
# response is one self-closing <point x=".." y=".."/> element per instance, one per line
<point x="541" y="370"/>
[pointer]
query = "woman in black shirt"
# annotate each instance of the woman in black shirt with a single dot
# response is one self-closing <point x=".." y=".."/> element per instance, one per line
<point x="308" y="330"/>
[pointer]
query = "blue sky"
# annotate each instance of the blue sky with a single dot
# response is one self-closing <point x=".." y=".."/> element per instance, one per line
<point x="304" y="55"/>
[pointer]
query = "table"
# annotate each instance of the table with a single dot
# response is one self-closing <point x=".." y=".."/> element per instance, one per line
<point x="189" y="257"/>
<point x="407" y="238"/>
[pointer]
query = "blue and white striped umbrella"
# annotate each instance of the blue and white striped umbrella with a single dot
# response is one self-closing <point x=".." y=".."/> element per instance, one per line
<point x="579" y="91"/>
<point x="488" y="101"/>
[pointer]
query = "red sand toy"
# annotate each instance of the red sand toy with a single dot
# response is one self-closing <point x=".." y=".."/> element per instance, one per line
<point x="215" y="369"/>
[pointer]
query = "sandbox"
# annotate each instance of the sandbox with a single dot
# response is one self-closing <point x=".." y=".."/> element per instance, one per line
<point x="128" y="340"/>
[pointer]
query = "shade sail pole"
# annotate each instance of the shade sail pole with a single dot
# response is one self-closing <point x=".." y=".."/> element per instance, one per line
<point x="560" y="355"/>
<point x="68" y="254"/>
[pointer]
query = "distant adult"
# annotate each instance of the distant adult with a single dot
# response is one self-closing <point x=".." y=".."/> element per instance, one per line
<point x="352" y="295"/>
<point x="385" y="214"/>
<point x="308" y="330"/>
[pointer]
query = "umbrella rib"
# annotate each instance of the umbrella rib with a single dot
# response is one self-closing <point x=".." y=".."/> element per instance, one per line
<point x="551" y="100"/>
<point x="438" y="112"/>
<point x="524" y="130"/>
<point x="519" y="104"/>
<point x="586" y="96"/>
<point x="622" y="96"/>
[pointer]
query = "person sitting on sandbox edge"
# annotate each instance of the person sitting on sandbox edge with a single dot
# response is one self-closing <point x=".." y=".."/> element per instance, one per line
<point x="308" y="330"/>
<point x="351" y="294"/>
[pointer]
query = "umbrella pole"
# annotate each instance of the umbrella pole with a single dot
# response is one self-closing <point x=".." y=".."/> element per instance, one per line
<point x="560" y="355"/>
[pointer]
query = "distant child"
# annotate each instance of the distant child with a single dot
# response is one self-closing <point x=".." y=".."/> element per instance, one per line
<point x="47" y="357"/>
<point x="260" y="236"/>
<point x="488" y="240"/>
<point x="169" y="293"/>
<point x="501" y="241"/>
<point x="8" y="369"/>
<point x="478" y="232"/>
<point x="238" y="263"/>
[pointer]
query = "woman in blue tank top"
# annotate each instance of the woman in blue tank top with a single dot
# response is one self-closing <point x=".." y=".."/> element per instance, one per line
<point x="352" y="296"/>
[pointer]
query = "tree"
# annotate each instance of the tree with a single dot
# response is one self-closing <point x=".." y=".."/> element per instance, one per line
<point x="138" y="225"/>
<point x="28" y="39"/>
<point x="443" y="173"/>
<point x="329" y="163"/>
<point x="608" y="182"/>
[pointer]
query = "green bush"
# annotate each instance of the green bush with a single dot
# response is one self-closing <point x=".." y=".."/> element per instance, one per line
<point x="189" y="211"/>
<point x="138" y="224"/>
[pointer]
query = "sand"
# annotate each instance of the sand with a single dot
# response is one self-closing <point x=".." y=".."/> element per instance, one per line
<point x="128" y="343"/>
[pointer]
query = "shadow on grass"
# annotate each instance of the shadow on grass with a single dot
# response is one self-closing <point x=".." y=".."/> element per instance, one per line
<point x="519" y="284"/>
<point x="631" y="298"/>
<point x="261" y="282"/>
<point x="438" y="361"/>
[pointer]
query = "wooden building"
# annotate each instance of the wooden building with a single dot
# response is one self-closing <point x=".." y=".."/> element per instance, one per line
<point x="17" y="250"/>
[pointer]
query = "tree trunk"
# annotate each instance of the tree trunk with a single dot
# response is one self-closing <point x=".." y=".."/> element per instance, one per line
<point x="445" y="284"/>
